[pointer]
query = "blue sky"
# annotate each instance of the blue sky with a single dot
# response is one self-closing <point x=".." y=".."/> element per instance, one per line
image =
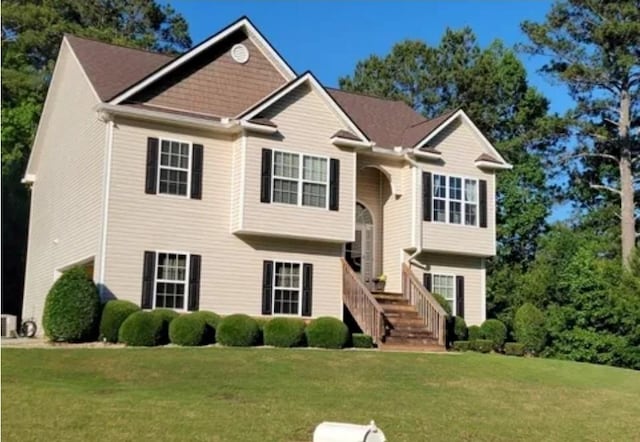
<point x="329" y="37"/>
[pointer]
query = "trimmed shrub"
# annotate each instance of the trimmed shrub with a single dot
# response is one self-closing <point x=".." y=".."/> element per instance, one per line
<point x="495" y="331"/>
<point x="529" y="328"/>
<point x="72" y="308"/>
<point x="211" y="321"/>
<point x="361" y="340"/>
<point x="141" y="329"/>
<point x="166" y="315"/>
<point x="284" y="332"/>
<point x="262" y="321"/>
<point x="460" y="329"/>
<point x="443" y="303"/>
<point x="482" y="345"/>
<point x="114" y="313"/>
<point x="327" y="332"/>
<point x="461" y="345"/>
<point x="238" y="331"/>
<point x="474" y="333"/>
<point x="514" y="349"/>
<point x="187" y="330"/>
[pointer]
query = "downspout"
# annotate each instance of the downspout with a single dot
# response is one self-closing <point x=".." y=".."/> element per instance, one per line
<point x="417" y="236"/>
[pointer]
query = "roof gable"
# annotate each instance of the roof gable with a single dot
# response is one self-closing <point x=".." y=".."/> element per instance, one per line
<point x="214" y="83"/>
<point x="243" y="25"/>
<point x="290" y="87"/>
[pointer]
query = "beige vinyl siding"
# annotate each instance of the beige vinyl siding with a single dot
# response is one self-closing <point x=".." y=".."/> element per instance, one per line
<point x="305" y="124"/>
<point x="460" y="147"/>
<point x="472" y="269"/>
<point x="394" y="210"/>
<point x="231" y="279"/>
<point x="237" y="183"/>
<point x="66" y="199"/>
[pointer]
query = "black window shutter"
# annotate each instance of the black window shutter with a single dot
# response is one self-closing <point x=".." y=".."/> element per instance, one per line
<point x="152" y="166"/>
<point x="307" y="289"/>
<point x="427" y="281"/>
<point x="334" y="184"/>
<point x="483" y="203"/>
<point x="196" y="171"/>
<point x="148" y="273"/>
<point x="267" y="287"/>
<point x="194" y="282"/>
<point x="460" y="296"/>
<point x="426" y="196"/>
<point x="265" y="187"/>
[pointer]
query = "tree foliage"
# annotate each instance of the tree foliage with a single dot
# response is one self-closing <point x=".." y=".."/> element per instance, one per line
<point x="32" y="31"/>
<point x="593" y="47"/>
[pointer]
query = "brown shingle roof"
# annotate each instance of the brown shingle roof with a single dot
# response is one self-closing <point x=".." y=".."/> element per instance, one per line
<point x="346" y="135"/>
<point x="112" y="68"/>
<point x="488" y="158"/>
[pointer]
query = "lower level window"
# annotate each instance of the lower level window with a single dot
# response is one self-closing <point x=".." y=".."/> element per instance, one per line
<point x="445" y="285"/>
<point x="286" y="288"/>
<point x="171" y="280"/>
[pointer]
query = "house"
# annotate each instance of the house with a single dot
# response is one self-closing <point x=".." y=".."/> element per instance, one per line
<point x="223" y="180"/>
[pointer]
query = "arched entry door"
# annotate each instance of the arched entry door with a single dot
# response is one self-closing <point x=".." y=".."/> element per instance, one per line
<point x="359" y="254"/>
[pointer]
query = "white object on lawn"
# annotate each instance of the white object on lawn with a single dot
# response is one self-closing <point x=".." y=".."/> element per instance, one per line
<point x="341" y="432"/>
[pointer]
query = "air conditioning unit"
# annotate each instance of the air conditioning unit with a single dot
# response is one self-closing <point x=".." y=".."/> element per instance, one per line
<point x="8" y="325"/>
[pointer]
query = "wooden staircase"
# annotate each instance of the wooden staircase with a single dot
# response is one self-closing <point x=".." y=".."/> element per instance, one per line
<point x="406" y="330"/>
<point x="411" y="320"/>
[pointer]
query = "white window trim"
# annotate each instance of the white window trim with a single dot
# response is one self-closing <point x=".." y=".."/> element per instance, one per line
<point x="300" y="180"/>
<point x="160" y="166"/>
<point x="454" y="301"/>
<point x="273" y="284"/>
<point x="448" y="200"/>
<point x="186" y="280"/>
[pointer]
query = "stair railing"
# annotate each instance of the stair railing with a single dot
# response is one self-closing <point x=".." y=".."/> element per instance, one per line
<point x="430" y="311"/>
<point x="362" y="304"/>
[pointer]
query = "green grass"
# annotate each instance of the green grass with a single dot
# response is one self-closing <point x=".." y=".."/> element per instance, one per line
<point x="219" y="394"/>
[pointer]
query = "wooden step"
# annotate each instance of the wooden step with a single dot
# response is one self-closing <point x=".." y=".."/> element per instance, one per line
<point x="412" y="348"/>
<point x="391" y="299"/>
<point x="411" y="333"/>
<point x="411" y="321"/>
<point x="409" y="341"/>
<point x="398" y="308"/>
<point x="396" y="294"/>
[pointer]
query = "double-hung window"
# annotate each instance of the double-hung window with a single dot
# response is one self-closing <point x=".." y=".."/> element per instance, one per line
<point x="173" y="170"/>
<point x="287" y="288"/>
<point x="300" y="179"/>
<point x="445" y="285"/>
<point x="171" y="280"/>
<point x="455" y="200"/>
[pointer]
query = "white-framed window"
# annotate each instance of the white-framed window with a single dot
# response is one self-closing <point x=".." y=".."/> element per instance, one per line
<point x="299" y="179"/>
<point x="287" y="288"/>
<point x="445" y="285"/>
<point x="455" y="200"/>
<point x="170" y="288"/>
<point x="174" y="168"/>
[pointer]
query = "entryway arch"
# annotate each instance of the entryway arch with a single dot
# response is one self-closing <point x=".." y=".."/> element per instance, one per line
<point x="360" y="254"/>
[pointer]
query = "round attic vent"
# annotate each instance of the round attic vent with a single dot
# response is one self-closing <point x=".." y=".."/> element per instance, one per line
<point x="240" y="53"/>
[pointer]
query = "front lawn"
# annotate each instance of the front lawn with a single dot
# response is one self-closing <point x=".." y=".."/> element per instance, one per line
<point x="223" y="394"/>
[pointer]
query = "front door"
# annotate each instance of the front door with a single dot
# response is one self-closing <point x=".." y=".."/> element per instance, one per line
<point x="359" y="254"/>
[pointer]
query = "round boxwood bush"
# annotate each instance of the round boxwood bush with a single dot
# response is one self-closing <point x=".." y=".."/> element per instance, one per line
<point x="529" y="328"/>
<point x="361" y="340"/>
<point x="141" y="329"/>
<point x="443" y="303"/>
<point x="461" y="345"/>
<point x="114" y="313"/>
<point x="284" y="332"/>
<point x="460" y="329"/>
<point x="495" y="331"/>
<point x="72" y="308"/>
<point x="166" y="315"/>
<point x="211" y="321"/>
<point x="187" y="330"/>
<point x="238" y="331"/>
<point x="474" y="333"/>
<point x="481" y="345"/>
<point x="327" y="332"/>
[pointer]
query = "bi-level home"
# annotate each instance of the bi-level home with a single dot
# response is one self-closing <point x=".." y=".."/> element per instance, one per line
<point x="223" y="180"/>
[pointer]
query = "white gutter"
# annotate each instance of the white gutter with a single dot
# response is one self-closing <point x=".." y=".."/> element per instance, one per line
<point x="426" y="155"/>
<point x="345" y="142"/>
<point x="260" y="128"/>
<point x="28" y="178"/>
<point x="490" y="165"/>
<point x="224" y="126"/>
<point x="416" y="225"/>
